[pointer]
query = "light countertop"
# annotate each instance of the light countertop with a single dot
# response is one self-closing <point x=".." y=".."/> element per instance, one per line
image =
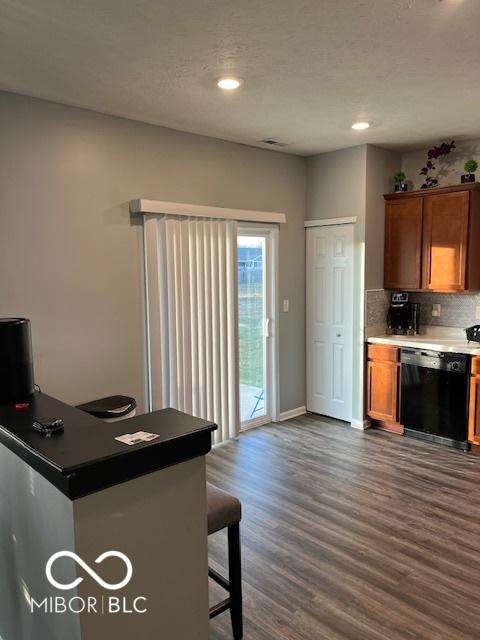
<point x="447" y="339"/>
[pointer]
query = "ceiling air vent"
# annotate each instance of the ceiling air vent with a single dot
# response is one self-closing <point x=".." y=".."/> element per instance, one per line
<point x="273" y="143"/>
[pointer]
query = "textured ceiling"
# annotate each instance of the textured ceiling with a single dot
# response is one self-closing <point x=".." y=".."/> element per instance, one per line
<point x="311" y="67"/>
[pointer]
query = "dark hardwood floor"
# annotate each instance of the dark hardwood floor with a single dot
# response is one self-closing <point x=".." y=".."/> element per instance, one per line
<point x="350" y="535"/>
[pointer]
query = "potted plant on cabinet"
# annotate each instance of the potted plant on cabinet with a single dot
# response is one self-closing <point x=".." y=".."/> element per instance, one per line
<point x="470" y="167"/>
<point x="399" y="179"/>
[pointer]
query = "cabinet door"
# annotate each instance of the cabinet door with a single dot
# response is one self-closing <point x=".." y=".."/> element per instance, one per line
<point x="474" y="411"/>
<point x="382" y="391"/>
<point x="445" y="240"/>
<point x="403" y="243"/>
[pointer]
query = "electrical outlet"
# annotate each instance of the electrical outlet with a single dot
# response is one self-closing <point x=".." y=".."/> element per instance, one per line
<point x="286" y="306"/>
<point x="477" y="312"/>
<point x="436" y="310"/>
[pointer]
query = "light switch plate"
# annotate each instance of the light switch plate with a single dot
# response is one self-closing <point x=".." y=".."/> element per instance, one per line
<point x="286" y="306"/>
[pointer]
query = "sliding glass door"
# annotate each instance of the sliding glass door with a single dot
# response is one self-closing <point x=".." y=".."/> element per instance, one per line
<point x="256" y="315"/>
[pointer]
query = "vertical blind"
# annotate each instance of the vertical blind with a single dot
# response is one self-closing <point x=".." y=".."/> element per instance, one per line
<point x="191" y="288"/>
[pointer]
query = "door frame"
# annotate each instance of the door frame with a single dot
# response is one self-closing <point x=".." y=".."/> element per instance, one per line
<point x="331" y="223"/>
<point x="271" y="279"/>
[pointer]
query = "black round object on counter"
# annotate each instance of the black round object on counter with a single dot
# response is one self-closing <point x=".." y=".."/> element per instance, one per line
<point x="16" y="359"/>
<point x="109" y="408"/>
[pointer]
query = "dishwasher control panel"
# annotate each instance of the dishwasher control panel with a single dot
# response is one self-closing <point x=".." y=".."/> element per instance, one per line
<point x="440" y="360"/>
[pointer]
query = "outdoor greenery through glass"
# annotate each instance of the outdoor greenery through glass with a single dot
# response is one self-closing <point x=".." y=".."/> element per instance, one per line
<point x="250" y="263"/>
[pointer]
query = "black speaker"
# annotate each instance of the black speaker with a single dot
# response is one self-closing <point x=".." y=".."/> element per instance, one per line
<point x="16" y="360"/>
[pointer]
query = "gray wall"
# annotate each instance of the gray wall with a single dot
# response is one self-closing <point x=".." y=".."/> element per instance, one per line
<point x="70" y="255"/>
<point x="336" y="184"/>
<point x="448" y="169"/>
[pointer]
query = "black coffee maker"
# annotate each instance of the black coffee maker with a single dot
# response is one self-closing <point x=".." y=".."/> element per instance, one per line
<point x="403" y="317"/>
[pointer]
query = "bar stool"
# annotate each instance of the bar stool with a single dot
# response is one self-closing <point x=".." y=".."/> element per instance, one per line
<point x="224" y="510"/>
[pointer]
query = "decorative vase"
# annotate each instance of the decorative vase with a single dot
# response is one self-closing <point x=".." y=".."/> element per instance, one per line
<point x="401" y="186"/>
<point x="468" y="177"/>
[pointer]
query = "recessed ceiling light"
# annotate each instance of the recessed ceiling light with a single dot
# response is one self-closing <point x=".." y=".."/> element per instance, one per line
<point x="360" y="126"/>
<point x="229" y="84"/>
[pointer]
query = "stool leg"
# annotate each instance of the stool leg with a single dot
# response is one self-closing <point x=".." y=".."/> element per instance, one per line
<point x="235" y="578"/>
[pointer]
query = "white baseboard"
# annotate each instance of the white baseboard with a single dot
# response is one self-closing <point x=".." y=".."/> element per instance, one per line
<point x="300" y="411"/>
<point x="360" y="424"/>
<point x="293" y="413"/>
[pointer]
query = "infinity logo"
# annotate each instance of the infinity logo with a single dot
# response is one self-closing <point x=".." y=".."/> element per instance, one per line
<point x="91" y="572"/>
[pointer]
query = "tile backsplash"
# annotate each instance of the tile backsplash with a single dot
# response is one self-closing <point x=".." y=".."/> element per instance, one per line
<point x="376" y="307"/>
<point x="457" y="309"/>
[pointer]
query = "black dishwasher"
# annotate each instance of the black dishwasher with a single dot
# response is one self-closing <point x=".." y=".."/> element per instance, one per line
<point x="434" y="396"/>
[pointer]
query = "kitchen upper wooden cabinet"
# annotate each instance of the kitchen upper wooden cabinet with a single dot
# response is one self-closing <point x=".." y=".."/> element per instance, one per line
<point x="403" y="243"/>
<point x="383" y="386"/>
<point x="432" y="239"/>
<point x="445" y="241"/>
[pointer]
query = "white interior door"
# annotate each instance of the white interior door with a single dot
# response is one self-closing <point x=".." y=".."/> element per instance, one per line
<point x="329" y="261"/>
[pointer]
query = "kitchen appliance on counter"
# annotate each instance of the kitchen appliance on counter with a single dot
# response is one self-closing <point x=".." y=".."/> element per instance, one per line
<point x="434" y="396"/>
<point x="403" y="317"/>
<point x="16" y="360"/>
<point x="473" y="333"/>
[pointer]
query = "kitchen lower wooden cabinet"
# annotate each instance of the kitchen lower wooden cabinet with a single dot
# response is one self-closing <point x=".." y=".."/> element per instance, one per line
<point x="474" y="409"/>
<point x="383" y="387"/>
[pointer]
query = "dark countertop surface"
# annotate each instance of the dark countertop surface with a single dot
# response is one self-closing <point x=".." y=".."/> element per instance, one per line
<point x="85" y="457"/>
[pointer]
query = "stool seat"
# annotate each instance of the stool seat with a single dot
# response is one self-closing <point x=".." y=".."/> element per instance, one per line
<point x="223" y="510"/>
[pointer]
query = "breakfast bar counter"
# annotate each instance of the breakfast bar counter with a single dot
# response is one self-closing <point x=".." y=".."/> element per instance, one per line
<point x="100" y="538"/>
